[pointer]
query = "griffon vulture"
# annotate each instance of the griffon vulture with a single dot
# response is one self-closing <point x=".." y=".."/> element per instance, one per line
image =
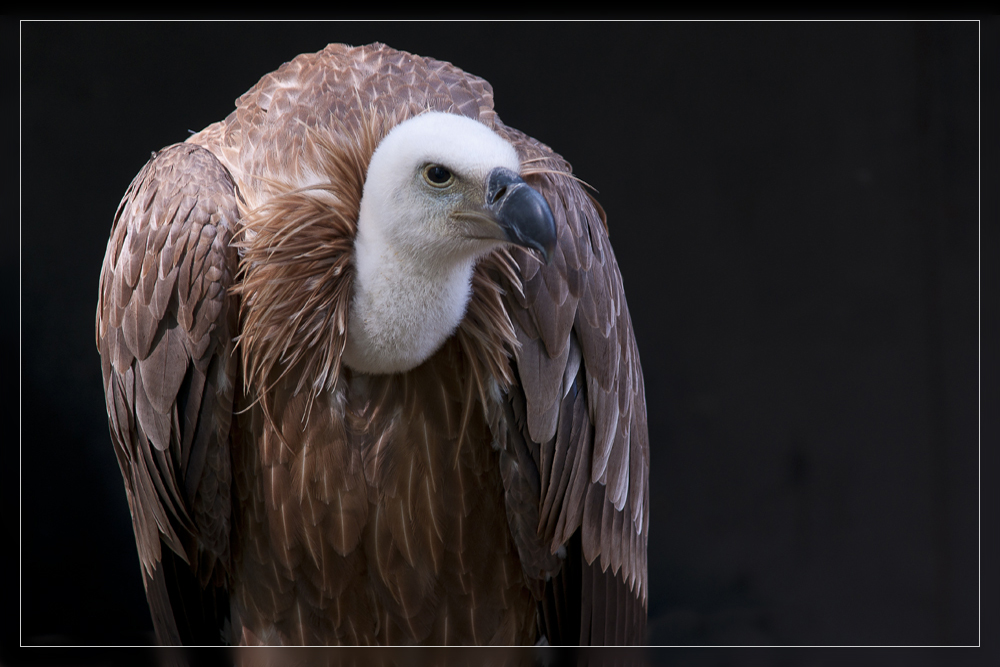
<point x="370" y="375"/>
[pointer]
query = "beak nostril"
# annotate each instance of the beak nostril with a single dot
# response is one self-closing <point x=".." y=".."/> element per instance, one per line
<point x="499" y="194"/>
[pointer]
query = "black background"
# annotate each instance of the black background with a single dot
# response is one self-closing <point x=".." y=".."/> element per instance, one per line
<point x="795" y="211"/>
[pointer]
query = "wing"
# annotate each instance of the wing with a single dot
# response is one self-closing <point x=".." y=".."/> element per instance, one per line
<point x="576" y="456"/>
<point x="165" y="324"/>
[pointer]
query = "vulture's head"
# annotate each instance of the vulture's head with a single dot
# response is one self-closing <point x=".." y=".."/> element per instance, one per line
<point x="442" y="190"/>
<point x="446" y="188"/>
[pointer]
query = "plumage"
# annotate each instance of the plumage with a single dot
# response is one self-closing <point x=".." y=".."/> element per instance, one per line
<point x="298" y="470"/>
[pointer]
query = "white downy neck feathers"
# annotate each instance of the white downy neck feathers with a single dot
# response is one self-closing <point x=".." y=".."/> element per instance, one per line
<point x="418" y="240"/>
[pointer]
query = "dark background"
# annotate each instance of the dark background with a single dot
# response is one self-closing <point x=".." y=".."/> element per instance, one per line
<point x="795" y="211"/>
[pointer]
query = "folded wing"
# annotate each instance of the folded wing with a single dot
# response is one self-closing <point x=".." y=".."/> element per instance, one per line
<point x="165" y="324"/>
<point x="577" y="456"/>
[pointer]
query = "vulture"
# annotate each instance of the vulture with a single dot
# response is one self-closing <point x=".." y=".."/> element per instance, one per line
<point x="370" y="374"/>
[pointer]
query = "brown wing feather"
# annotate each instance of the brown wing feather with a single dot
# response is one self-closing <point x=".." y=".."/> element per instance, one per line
<point x="164" y="329"/>
<point x="580" y="412"/>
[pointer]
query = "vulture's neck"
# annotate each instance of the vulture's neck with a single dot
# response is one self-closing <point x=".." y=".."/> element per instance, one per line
<point x="404" y="307"/>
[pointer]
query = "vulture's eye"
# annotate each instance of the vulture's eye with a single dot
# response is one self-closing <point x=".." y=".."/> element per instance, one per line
<point x="438" y="176"/>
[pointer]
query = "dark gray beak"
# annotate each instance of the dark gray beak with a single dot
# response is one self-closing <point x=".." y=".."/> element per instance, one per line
<point x="521" y="212"/>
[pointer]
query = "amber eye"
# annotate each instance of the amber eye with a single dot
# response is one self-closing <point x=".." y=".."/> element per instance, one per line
<point x="438" y="176"/>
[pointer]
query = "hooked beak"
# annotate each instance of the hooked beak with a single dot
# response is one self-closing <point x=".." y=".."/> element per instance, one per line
<point x="521" y="212"/>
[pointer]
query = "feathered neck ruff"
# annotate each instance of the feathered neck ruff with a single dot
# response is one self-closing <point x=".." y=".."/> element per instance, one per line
<point x="297" y="274"/>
